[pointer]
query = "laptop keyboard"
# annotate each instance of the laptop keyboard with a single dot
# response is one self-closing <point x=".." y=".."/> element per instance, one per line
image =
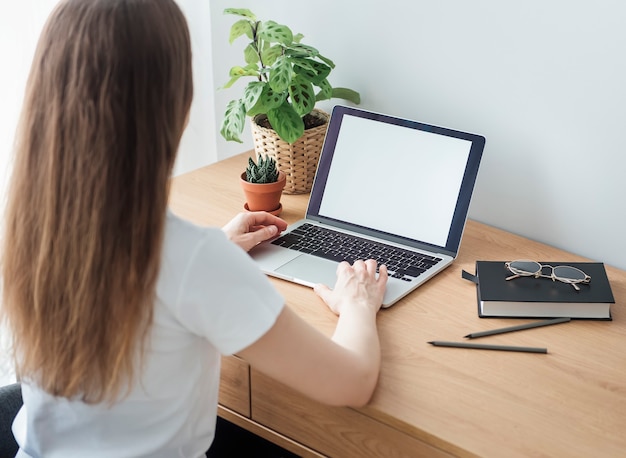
<point x="338" y="246"/>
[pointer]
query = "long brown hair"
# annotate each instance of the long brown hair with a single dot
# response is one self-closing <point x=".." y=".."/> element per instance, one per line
<point x="105" y="106"/>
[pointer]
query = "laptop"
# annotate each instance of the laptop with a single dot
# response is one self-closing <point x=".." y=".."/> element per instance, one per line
<point x="386" y="188"/>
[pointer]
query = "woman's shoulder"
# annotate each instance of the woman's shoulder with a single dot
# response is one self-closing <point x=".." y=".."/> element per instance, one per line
<point x="182" y="232"/>
<point x="188" y="245"/>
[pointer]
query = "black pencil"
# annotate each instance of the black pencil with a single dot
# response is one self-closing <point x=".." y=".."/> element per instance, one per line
<point x="438" y="343"/>
<point x="521" y="327"/>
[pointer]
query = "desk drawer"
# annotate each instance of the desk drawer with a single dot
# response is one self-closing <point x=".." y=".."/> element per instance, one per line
<point x="235" y="385"/>
<point x="332" y="431"/>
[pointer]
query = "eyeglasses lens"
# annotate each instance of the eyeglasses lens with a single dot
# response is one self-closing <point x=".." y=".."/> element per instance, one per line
<point x="525" y="267"/>
<point x="569" y="273"/>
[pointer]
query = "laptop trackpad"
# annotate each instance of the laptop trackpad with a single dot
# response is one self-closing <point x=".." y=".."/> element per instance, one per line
<point x="310" y="270"/>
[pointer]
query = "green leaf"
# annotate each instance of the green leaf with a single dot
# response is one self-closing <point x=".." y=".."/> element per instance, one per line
<point x="270" y="54"/>
<point x="251" y="93"/>
<point x="241" y="12"/>
<point x="302" y="95"/>
<point x="239" y="28"/>
<point x="312" y="70"/>
<point x="271" y="31"/>
<point x="303" y="63"/>
<point x="326" y="60"/>
<point x="326" y="91"/>
<point x="297" y="37"/>
<point x="280" y="74"/>
<point x="286" y="122"/>
<point x="346" y="94"/>
<point x="300" y="50"/>
<point x="233" y="122"/>
<point x="237" y="72"/>
<point x="250" y="54"/>
<point x="248" y="70"/>
<point x="232" y="81"/>
<point x="250" y="171"/>
<point x="267" y="101"/>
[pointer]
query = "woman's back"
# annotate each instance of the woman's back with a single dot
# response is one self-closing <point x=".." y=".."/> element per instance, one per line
<point x="171" y="408"/>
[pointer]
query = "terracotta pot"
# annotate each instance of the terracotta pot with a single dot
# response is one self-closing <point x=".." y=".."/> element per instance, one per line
<point x="263" y="196"/>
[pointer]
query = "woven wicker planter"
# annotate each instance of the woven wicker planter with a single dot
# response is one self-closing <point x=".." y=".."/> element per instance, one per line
<point x="298" y="161"/>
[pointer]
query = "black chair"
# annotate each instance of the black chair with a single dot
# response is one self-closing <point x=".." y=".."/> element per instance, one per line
<point x="10" y="404"/>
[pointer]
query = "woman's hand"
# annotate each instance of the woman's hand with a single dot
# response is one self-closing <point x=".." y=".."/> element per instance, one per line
<point x="248" y="229"/>
<point x="358" y="285"/>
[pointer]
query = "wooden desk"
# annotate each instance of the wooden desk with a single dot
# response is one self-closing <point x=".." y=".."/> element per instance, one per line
<point x="437" y="401"/>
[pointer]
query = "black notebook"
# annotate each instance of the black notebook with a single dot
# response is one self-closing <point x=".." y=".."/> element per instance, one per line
<point x="529" y="297"/>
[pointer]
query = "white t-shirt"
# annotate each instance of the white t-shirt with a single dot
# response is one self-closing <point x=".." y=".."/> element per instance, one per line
<point x="211" y="300"/>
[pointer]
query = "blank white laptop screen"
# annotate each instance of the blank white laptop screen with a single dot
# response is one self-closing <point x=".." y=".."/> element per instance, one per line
<point x="364" y="188"/>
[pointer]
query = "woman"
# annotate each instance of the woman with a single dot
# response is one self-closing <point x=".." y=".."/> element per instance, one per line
<point x="119" y="310"/>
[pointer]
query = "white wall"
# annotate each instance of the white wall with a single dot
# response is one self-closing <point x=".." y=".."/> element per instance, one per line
<point x="543" y="81"/>
<point x="198" y="143"/>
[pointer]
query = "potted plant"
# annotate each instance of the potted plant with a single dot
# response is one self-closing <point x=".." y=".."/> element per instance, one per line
<point x="263" y="185"/>
<point x="281" y="98"/>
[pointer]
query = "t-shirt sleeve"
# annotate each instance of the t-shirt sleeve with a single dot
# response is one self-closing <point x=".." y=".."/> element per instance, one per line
<point x="224" y="297"/>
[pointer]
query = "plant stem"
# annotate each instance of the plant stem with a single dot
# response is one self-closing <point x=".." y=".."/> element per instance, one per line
<point x="257" y="47"/>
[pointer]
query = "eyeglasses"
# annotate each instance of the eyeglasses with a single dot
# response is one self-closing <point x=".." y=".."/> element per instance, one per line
<point x="565" y="274"/>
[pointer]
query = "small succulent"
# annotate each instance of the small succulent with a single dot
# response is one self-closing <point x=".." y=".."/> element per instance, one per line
<point x="264" y="171"/>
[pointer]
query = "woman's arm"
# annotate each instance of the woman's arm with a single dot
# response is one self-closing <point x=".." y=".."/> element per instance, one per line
<point x="342" y="370"/>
